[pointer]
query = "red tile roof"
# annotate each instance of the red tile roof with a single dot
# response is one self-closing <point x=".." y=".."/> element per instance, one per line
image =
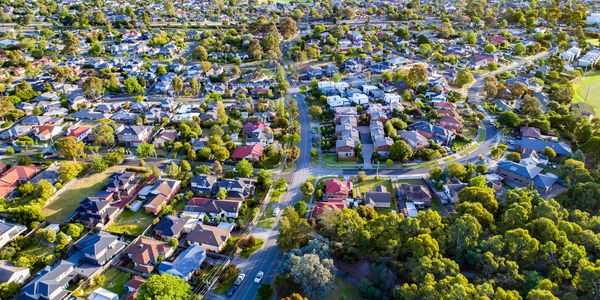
<point x="256" y="151"/>
<point x="79" y="130"/>
<point x="336" y="205"/>
<point x="337" y="186"/>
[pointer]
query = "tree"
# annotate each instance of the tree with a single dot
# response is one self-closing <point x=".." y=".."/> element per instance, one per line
<point x="194" y="87"/>
<point x="200" y="53"/>
<point x="164" y="286"/>
<point x="561" y="93"/>
<point x="485" y="196"/>
<point x="509" y="119"/>
<point x="74" y="230"/>
<point x="416" y="75"/>
<point x="489" y="48"/>
<point x="463" y="77"/>
<point x="456" y="170"/>
<point x="68" y="170"/>
<point x="301" y="208"/>
<point x="222" y="116"/>
<point x="307" y="188"/>
<point x="549" y="152"/>
<point x="294" y="230"/>
<point x="519" y="49"/>
<point x="173" y="170"/>
<point x="436" y="173"/>
<point x="254" y="49"/>
<point x="93" y="88"/>
<point x="71" y="43"/>
<point x="96" y="49"/>
<point x="315" y="111"/>
<point x="177" y="84"/>
<point x="264" y="179"/>
<point x="400" y="151"/>
<point x="132" y="86"/>
<point x="69" y="147"/>
<point x="145" y="150"/>
<point x="464" y="233"/>
<point x="244" y="169"/>
<point x="288" y="27"/>
<point x="62" y="73"/>
<point x="105" y="135"/>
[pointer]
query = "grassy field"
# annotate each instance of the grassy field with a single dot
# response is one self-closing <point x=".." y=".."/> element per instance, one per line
<point x="37" y="250"/>
<point x="591" y="81"/>
<point x="69" y="200"/>
<point x="344" y="290"/>
<point x="131" y="222"/>
<point x="115" y="281"/>
<point x="246" y="253"/>
<point x="267" y="220"/>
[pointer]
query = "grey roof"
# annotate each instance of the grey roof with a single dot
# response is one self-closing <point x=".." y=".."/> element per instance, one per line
<point x="186" y="263"/>
<point x="7" y="269"/>
<point x="545" y="181"/>
<point x="48" y="281"/>
<point x="99" y="247"/>
<point x="540" y="145"/>
<point x="527" y="171"/>
<point x="170" y="226"/>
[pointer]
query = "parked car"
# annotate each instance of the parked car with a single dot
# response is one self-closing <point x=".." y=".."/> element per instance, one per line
<point x="275" y="211"/>
<point x="259" y="277"/>
<point x="239" y="279"/>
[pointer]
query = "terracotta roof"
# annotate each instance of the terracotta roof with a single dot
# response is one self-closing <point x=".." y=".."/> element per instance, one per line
<point x="244" y="151"/>
<point x="337" y="186"/>
<point x="79" y="130"/>
<point x="146" y="250"/>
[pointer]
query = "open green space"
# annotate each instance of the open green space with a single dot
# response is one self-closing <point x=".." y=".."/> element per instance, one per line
<point x="267" y="220"/>
<point x="115" y="281"/>
<point x="331" y="159"/>
<point x="131" y="222"/>
<point x="246" y="253"/>
<point x="590" y="82"/>
<point x="344" y="290"/>
<point x="69" y="199"/>
<point x="37" y="250"/>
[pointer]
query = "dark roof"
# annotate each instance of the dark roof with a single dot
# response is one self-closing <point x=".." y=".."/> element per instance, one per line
<point x="527" y="171"/>
<point x="170" y="226"/>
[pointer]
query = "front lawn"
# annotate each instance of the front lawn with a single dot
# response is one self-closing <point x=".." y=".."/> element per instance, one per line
<point x="267" y="220"/>
<point x="68" y="201"/>
<point x="246" y="253"/>
<point x="131" y="222"/>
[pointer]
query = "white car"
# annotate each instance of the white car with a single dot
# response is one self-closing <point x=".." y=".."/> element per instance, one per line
<point x="259" y="277"/>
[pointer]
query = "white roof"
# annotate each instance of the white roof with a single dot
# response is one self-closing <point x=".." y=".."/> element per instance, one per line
<point x="103" y="294"/>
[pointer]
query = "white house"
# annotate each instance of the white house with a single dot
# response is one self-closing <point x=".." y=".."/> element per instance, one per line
<point x="12" y="273"/>
<point x="103" y="294"/>
<point x="593" y="19"/>
<point x="335" y="101"/>
<point x="9" y="231"/>
<point x="571" y="54"/>
<point x="359" y="98"/>
<point x="390" y="98"/>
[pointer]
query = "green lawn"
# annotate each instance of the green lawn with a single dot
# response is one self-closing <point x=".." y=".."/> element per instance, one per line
<point x="591" y="81"/>
<point x="331" y="159"/>
<point x="69" y="200"/>
<point x="246" y="253"/>
<point x="115" y="281"/>
<point x="37" y="250"/>
<point x="130" y="222"/>
<point x="267" y="220"/>
<point x="344" y="290"/>
<point x="593" y="42"/>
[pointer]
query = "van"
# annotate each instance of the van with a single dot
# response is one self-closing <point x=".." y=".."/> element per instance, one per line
<point x="275" y="211"/>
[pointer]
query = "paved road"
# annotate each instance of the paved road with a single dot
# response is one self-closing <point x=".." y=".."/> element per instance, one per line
<point x="267" y="259"/>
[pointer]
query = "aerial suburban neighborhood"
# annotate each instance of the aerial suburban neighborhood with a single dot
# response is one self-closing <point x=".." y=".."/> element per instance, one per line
<point x="299" y="149"/>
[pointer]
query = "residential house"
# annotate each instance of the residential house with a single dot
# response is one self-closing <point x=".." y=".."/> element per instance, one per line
<point x="252" y="129"/>
<point x="529" y="144"/>
<point x="211" y="238"/>
<point x="79" y="132"/>
<point x="379" y="197"/>
<point x="9" y="231"/>
<point x="161" y="193"/>
<point x="11" y="273"/>
<point x="414" y="139"/>
<point x="145" y="253"/>
<point x="123" y="184"/>
<point x="450" y="192"/>
<point x="436" y="133"/>
<point x="103" y="294"/>
<point x="519" y="174"/>
<point x="98" y="248"/>
<point x="450" y="123"/>
<point x="237" y="188"/>
<point x="165" y="136"/>
<point x="203" y="184"/>
<point x="97" y="211"/>
<point x="531" y="132"/>
<point x="133" y="136"/>
<point x="417" y="194"/>
<point x="331" y="205"/>
<point x="337" y="189"/>
<point x="50" y="283"/>
<point x="390" y="98"/>
<point x="47" y="132"/>
<point x="199" y="207"/>
<point x="250" y="153"/>
<point x="185" y="264"/>
<point x="169" y="227"/>
<point x="16" y="175"/>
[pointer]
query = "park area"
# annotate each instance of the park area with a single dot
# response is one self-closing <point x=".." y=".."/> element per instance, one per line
<point x="68" y="200"/>
<point x="590" y="86"/>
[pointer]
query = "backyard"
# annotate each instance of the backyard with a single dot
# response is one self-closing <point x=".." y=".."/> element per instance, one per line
<point x="581" y="86"/>
<point x="131" y="222"/>
<point x="115" y="281"/>
<point x="69" y="200"/>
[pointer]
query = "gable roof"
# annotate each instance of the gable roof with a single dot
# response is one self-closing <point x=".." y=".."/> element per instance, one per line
<point x="208" y="235"/>
<point x="170" y="226"/>
<point x="525" y="170"/>
<point x="187" y="262"/>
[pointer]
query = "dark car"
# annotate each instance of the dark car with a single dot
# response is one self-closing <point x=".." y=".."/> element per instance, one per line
<point x="232" y="291"/>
